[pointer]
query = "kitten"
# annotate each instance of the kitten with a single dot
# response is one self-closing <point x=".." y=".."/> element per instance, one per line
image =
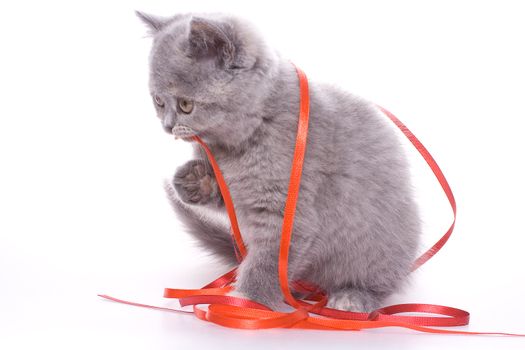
<point x="357" y="226"/>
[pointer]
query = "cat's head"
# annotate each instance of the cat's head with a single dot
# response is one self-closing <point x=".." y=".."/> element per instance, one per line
<point x="209" y="75"/>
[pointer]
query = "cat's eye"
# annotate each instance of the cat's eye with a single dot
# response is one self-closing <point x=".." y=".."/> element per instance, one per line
<point x="185" y="106"/>
<point x="158" y="101"/>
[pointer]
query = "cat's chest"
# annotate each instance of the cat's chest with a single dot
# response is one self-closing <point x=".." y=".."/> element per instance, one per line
<point x="254" y="176"/>
<point x="249" y="167"/>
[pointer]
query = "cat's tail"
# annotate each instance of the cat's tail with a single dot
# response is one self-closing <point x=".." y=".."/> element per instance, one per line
<point x="202" y="224"/>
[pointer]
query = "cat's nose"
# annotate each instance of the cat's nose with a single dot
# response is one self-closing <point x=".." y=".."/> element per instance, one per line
<point x="168" y="122"/>
<point x="167" y="128"/>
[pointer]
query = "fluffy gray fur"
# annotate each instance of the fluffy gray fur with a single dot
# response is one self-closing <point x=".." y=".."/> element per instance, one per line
<point x="357" y="226"/>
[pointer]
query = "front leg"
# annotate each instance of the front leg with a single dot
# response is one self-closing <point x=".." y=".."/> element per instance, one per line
<point x="193" y="188"/>
<point x="195" y="184"/>
<point x="257" y="276"/>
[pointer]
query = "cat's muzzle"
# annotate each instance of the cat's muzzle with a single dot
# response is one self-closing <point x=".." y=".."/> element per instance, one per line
<point x="183" y="131"/>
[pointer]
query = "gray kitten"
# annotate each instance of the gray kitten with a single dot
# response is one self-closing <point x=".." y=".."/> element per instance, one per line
<point x="357" y="226"/>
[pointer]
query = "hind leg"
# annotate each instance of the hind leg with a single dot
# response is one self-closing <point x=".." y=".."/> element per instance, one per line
<point x="353" y="299"/>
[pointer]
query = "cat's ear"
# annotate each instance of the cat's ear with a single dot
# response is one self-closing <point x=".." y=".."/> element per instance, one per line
<point x="213" y="40"/>
<point x="154" y="23"/>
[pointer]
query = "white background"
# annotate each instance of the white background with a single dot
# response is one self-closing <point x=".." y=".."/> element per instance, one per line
<point x="83" y="158"/>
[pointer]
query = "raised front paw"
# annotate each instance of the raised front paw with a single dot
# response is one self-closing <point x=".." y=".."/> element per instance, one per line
<point x="195" y="183"/>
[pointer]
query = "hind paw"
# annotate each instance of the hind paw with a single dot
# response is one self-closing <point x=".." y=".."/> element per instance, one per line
<point x="353" y="300"/>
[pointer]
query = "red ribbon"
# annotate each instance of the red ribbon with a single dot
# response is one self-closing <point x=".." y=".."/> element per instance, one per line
<point x="242" y="313"/>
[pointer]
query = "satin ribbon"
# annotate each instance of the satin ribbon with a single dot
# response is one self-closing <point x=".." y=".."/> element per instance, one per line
<point x="235" y="312"/>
